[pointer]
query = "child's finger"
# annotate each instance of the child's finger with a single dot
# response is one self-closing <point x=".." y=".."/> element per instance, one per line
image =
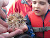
<point x="16" y="28"/>
<point x="1" y="36"/>
<point x="10" y="30"/>
<point x="17" y="32"/>
<point x="3" y="23"/>
<point x="2" y="29"/>
<point x="2" y="14"/>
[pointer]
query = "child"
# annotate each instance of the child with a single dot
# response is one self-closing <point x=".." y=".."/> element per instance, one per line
<point x="39" y="18"/>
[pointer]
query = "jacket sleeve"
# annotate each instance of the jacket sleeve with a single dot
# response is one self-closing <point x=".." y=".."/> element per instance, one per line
<point x="13" y="8"/>
<point x="30" y="29"/>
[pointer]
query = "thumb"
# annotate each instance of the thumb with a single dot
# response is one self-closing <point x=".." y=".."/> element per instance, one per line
<point x="1" y="36"/>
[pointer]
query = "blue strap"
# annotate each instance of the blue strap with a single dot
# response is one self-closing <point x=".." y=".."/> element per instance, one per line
<point x="30" y="29"/>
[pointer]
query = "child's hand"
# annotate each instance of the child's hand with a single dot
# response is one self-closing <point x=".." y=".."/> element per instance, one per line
<point x="3" y="24"/>
<point x="16" y="32"/>
<point x="24" y="28"/>
<point x="3" y="3"/>
<point x="2" y="29"/>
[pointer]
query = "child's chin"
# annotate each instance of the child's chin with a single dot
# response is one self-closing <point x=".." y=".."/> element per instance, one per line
<point x="38" y="14"/>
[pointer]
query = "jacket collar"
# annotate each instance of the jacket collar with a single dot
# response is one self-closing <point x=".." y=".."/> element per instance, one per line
<point x="47" y="13"/>
<point x="24" y="2"/>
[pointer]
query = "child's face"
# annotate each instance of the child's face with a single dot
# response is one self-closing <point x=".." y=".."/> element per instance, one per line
<point x="40" y="7"/>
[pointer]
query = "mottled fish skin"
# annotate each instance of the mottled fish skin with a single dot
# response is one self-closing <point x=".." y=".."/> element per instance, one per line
<point x="16" y="21"/>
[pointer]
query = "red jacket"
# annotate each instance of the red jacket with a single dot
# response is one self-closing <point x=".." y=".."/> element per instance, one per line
<point x="21" y="8"/>
<point x="36" y="21"/>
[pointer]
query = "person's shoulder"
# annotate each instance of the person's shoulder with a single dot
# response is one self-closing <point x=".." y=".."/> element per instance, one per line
<point x="18" y="1"/>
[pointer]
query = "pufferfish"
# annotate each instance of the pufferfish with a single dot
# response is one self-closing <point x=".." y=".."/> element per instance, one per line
<point x="16" y="20"/>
